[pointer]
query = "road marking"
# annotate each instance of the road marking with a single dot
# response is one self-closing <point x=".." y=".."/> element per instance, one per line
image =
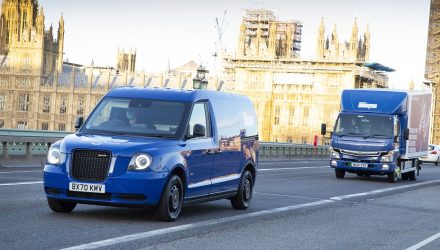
<point x="378" y="191"/>
<point x="297" y="168"/>
<point x="287" y="195"/>
<point x="295" y="162"/>
<point x="18" y="178"/>
<point x="149" y="234"/>
<point x="30" y="171"/>
<point x="424" y="242"/>
<point x="20" y="183"/>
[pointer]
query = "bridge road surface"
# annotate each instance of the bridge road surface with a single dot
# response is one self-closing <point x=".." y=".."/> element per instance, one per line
<point x="296" y="205"/>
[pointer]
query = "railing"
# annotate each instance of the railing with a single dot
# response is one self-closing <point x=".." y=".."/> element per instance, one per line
<point x="32" y="145"/>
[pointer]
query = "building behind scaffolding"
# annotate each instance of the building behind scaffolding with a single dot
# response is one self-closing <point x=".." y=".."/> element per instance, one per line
<point x="263" y="35"/>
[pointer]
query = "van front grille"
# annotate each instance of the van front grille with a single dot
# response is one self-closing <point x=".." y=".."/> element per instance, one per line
<point x="90" y="165"/>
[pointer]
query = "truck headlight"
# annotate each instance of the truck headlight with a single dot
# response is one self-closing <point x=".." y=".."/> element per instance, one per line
<point x="387" y="158"/>
<point x="140" y="161"/>
<point x="334" y="154"/>
<point x="54" y="155"/>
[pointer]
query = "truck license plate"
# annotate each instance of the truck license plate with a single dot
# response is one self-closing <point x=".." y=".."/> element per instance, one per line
<point x="86" y="187"/>
<point x="359" y="165"/>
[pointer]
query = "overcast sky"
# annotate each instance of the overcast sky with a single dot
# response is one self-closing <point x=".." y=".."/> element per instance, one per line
<point x="185" y="30"/>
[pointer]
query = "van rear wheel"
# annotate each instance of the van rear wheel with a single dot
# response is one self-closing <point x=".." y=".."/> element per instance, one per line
<point x="60" y="206"/>
<point x="244" y="194"/>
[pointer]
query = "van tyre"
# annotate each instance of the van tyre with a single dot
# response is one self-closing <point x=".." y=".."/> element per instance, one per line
<point x="244" y="194"/>
<point x="171" y="200"/>
<point x="339" y="173"/>
<point x="60" y="206"/>
<point x="436" y="163"/>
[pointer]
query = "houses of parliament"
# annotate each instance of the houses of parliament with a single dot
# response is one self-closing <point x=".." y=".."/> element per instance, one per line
<point x="292" y="96"/>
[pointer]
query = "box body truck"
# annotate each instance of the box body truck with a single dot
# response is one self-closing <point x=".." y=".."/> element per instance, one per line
<point x="381" y="132"/>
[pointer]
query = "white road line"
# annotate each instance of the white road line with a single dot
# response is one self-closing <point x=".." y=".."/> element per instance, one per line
<point x="295" y="162"/>
<point x="30" y="171"/>
<point x="424" y="242"/>
<point x="20" y="183"/>
<point x="287" y="195"/>
<point x="149" y="234"/>
<point x="297" y="168"/>
<point x="344" y="197"/>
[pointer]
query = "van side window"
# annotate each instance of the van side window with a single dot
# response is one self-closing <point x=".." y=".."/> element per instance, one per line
<point x="199" y="124"/>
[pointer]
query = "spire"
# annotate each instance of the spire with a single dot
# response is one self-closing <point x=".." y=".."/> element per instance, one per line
<point x="354" y="40"/>
<point x="367" y="44"/>
<point x="335" y="43"/>
<point x="335" y="34"/>
<point x="320" y="41"/>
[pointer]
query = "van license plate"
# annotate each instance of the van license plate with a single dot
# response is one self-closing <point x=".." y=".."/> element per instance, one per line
<point x="86" y="187"/>
<point x="359" y="165"/>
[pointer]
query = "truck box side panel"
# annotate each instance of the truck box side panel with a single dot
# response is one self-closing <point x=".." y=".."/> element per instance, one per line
<point x="419" y="114"/>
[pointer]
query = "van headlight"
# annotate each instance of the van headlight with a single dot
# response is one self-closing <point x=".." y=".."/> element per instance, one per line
<point x="388" y="157"/>
<point x="334" y="154"/>
<point x="54" y="155"/>
<point x="140" y="161"/>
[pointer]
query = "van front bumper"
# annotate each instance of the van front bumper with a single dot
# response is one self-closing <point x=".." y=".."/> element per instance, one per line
<point x="372" y="167"/>
<point x="128" y="189"/>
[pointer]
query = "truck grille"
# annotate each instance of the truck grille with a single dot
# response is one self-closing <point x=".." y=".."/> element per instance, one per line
<point x="90" y="165"/>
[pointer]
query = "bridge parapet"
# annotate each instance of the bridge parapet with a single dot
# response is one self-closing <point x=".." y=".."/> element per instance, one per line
<point x="32" y="146"/>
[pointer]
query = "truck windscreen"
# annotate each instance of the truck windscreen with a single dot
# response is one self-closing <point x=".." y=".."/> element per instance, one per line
<point x="364" y="126"/>
<point x="145" y="117"/>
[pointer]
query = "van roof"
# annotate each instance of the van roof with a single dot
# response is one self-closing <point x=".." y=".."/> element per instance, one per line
<point x="165" y="93"/>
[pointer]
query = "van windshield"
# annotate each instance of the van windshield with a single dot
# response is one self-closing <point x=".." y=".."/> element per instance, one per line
<point x="364" y="126"/>
<point x="145" y="117"/>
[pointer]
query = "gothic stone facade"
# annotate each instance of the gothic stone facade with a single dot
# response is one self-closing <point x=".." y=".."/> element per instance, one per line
<point x="29" y="57"/>
<point x="294" y="96"/>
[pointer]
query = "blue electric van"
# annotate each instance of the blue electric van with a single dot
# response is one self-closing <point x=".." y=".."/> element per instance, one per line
<point x="157" y="147"/>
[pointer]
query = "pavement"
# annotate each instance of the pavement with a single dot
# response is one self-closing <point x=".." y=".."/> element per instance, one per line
<point x="296" y="205"/>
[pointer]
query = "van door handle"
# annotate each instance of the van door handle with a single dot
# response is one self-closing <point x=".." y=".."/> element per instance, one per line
<point x="211" y="151"/>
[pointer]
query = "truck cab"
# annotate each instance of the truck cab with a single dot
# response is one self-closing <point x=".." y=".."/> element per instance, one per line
<point x="157" y="147"/>
<point x="380" y="132"/>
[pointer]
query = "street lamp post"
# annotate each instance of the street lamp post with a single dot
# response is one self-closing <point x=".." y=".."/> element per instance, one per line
<point x="200" y="81"/>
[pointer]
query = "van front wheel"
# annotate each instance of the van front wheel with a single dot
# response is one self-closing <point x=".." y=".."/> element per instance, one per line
<point x="60" y="206"/>
<point x="171" y="200"/>
<point x="244" y="194"/>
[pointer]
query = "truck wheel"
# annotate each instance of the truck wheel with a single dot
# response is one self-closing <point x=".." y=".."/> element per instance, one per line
<point x="394" y="176"/>
<point x="171" y="200"/>
<point x="413" y="174"/>
<point x="244" y="194"/>
<point x="405" y="176"/>
<point x="339" y="173"/>
<point x="60" y="206"/>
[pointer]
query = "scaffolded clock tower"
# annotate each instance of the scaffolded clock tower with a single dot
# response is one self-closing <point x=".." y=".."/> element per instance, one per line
<point x="432" y="70"/>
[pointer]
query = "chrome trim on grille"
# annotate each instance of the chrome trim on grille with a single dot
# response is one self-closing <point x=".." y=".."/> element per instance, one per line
<point x="361" y="153"/>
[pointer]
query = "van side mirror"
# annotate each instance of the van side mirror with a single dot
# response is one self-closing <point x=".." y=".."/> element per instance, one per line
<point x="406" y="134"/>
<point x="323" y="129"/>
<point x="396" y="139"/>
<point x="199" y="130"/>
<point x="79" y="122"/>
